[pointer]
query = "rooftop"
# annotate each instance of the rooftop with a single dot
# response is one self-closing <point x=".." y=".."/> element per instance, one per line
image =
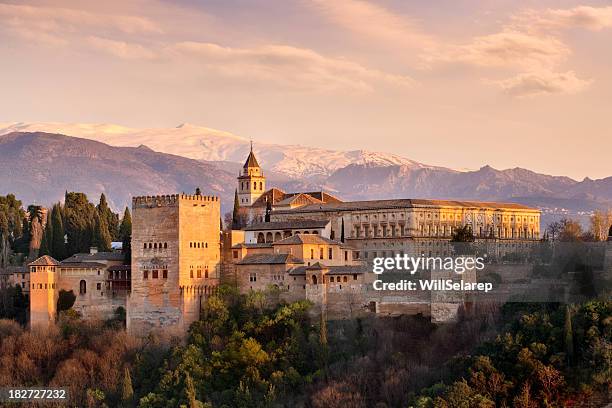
<point x="313" y="239"/>
<point x="98" y="256"/>
<point x="259" y="259"/>
<point x="44" y="260"/>
<point x="285" y="225"/>
<point x="331" y="270"/>
<point x="402" y="203"/>
<point x="82" y="265"/>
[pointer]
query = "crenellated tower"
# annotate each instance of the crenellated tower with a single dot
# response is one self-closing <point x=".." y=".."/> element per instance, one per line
<point x="251" y="181"/>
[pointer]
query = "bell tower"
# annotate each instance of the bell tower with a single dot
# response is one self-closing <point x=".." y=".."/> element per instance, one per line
<point x="251" y="181"/>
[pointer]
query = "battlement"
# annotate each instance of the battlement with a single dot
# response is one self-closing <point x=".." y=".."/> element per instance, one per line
<point x="169" y="200"/>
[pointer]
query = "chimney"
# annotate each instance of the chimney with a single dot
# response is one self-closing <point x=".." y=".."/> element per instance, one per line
<point x="93" y="250"/>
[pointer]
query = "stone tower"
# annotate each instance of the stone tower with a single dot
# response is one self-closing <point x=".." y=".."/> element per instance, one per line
<point x="175" y="259"/>
<point x="251" y="181"/>
<point x="43" y="291"/>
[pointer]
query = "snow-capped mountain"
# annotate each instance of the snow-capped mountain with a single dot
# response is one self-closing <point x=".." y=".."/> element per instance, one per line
<point x="202" y="143"/>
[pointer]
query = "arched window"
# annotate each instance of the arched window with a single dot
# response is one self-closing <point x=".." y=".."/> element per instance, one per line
<point x="165" y="245"/>
<point x="269" y="237"/>
<point x="277" y="236"/>
<point x="145" y="245"/>
<point x="260" y="238"/>
<point x="82" y="287"/>
<point x="260" y="185"/>
<point x="206" y="273"/>
<point x="312" y="254"/>
<point x="314" y="279"/>
<point x="254" y="185"/>
<point x="155" y="245"/>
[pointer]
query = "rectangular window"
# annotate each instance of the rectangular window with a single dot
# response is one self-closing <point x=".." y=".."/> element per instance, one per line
<point x="320" y="253"/>
<point x="145" y="275"/>
<point x="191" y="274"/>
<point x="346" y="255"/>
<point x="329" y="253"/>
<point x="98" y="286"/>
<point x="199" y="273"/>
<point x="165" y="274"/>
<point x="252" y="277"/>
<point x="155" y="274"/>
<point x="354" y="277"/>
<point x="235" y="254"/>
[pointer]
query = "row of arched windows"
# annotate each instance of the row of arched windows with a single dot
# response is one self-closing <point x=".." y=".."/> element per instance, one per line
<point x="244" y="185"/>
<point x="198" y="245"/>
<point x="42" y="286"/>
<point x="155" y="274"/>
<point x="155" y="245"/>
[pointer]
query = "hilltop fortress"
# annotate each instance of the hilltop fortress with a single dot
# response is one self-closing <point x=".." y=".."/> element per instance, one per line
<point x="305" y="245"/>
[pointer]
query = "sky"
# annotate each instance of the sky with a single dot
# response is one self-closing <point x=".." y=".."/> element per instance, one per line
<point x="454" y="83"/>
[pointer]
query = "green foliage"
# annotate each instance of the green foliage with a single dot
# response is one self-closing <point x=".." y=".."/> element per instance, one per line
<point x="58" y="243"/>
<point x="531" y="365"/>
<point x="79" y="220"/>
<point x="236" y="212"/>
<point x="13" y="304"/>
<point x="238" y="355"/>
<point x="125" y="234"/>
<point x="11" y="226"/>
<point x="65" y="300"/>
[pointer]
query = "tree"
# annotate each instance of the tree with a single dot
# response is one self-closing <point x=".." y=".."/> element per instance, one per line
<point x="58" y="243"/>
<point x="463" y="234"/>
<point x="571" y="230"/>
<point x="102" y="237"/>
<point x="46" y="242"/>
<point x="568" y="335"/>
<point x="127" y="392"/>
<point x="65" y="300"/>
<point x="79" y="217"/>
<point x="236" y="212"/>
<point x="600" y="222"/>
<point x="342" y="231"/>
<point x="125" y="233"/>
<point x="553" y="229"/>
<point x="111" y="219"/>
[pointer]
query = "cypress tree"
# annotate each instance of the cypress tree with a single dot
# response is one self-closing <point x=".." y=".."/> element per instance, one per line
<point x="125" y="232"/>
<point x="102" y="238"/>
<point x="46" y="243"/>
<point x="127" y="392"/>
<point x="79" y="222"/>
<point x="190" y="392"/>
<point x="342" y="231"/>
<point x="112" y="219"/>
<point x="58" y="245"/>
<point x="236" y="212"/>
<point x="568" y="335"/>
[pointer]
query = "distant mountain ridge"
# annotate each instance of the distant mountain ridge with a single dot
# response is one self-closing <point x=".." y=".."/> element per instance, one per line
<point x="202" y="143"/>
<point x="63" y="162"/>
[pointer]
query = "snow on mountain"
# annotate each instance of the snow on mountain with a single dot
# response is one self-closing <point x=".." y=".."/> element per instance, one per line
<point x="202" y="143"/>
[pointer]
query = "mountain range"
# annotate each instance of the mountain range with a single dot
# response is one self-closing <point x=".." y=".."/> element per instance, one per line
<point x="42" y="160"/>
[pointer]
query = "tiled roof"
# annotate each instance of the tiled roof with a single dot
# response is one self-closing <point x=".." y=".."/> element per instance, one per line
<point x="82" y="265"/>
<point x="270" y="259"/>
<point x="313" y="239"/>
<point x="403" y="203"/>
<point x="44" y="260"/>
<point x="114" y="268"/>
<point x="283" y="225"/>
<point x="258" y="245"/>
<point x="331" y="270"/>
<point x="251" y="161"/>
<point x="99" y="256"/>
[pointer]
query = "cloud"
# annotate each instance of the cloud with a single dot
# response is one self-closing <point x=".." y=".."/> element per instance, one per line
<point x="291" y="66"/>
<point x="122" y="49"/>
<point x="507" y="49"/>
<point x="59" y="26"/>
<point x="542" y="83"/>
<point x="586" y="17"/>
<point x="373" y="22"/>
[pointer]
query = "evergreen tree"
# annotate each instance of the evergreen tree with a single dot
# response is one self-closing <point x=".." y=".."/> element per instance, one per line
<point x="190" y="393"/>
<point x="127" y="392"/>
<point x="236" y="212"/>
<point x="79" y="222"/>
<point x="102" y="238"/>
<point x="58" y="244"/>
<point x="46" y="243"/>
<point x="342" y="232"/>
<point x="125" y="233"/>
<point x="112" y="219"/>
<point x="568" y="335"/>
